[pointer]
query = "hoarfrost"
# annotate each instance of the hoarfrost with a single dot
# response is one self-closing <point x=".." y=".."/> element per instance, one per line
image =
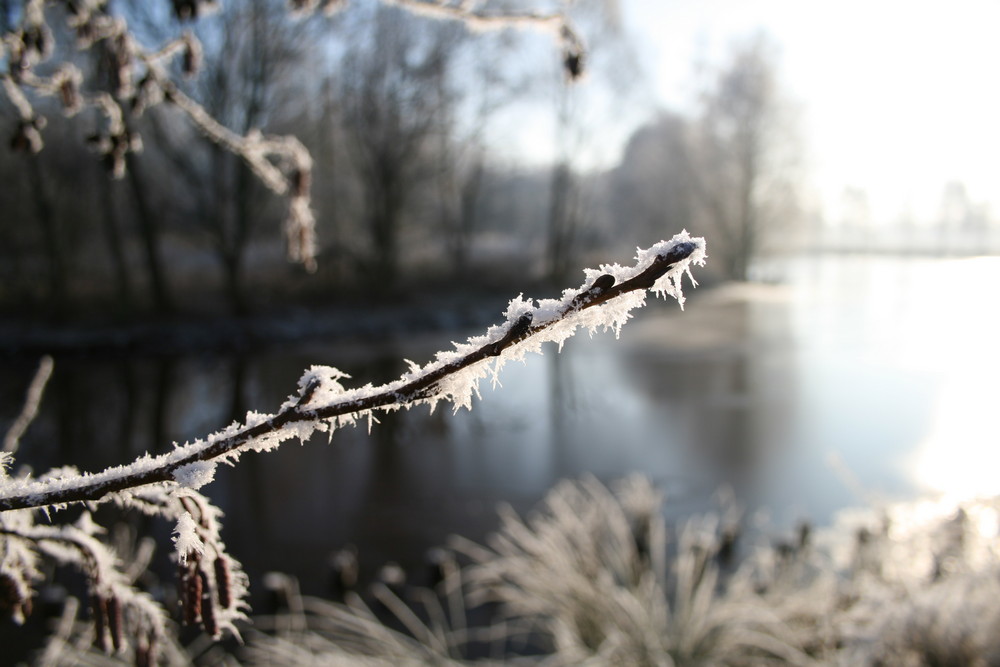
<point x="195" y="475"/>
<point x="186" y="538"/>
<point x="165" y="485"/>
<point x="323" y="403"/>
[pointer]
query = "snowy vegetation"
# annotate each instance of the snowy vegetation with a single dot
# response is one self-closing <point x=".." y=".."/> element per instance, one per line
<point x="595" y="577"/>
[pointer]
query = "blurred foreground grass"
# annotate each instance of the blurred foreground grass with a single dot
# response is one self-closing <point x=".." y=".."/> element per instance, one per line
<point x="594" y="576"/>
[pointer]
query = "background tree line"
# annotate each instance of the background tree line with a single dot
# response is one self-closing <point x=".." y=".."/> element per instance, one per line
<point x="408" y="187"/>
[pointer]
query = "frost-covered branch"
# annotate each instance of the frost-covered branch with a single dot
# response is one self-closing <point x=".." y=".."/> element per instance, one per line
<point x="476" y="17"/>
<point x="322" y="404"/>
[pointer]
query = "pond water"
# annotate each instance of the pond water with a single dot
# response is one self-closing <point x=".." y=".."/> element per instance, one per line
<point x="853" y="380"/>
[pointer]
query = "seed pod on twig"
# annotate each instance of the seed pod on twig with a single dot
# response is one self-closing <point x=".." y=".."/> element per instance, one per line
<point x="189" y="591"/>
<point x="27" y="137"/>
<point x="573" y="62"/>
<point x="300" y="180"/>
<point x="69" y="95"/>
<point x="185" y="10"/>
<point x="37" y="40"/>
<point x="115" y="622"/>
<point x="192" y="56"/>
<point x="208" y="621"/>
<point x="189" y="10"/>
<point x="10" y="594"/>
<point x="574" y="55"/>
<point x="85" y="33"/>
<point x="118" y="56"/>
<point x="13" y="602"/>
<point x="223" y="581"/>
<point x="520" y="327"/>
<point x="99" y="610"/>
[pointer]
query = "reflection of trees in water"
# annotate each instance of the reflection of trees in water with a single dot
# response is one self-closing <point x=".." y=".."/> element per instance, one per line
<point x="130" y="384"/>
<point x="562" y="402"/>
<point x="710" y="394"/>
<point x="99" y="411"/>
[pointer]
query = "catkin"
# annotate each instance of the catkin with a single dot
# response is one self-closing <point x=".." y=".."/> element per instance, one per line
<point x="99" y="609"/>
<point x="223" y="582"/>
<point x="115" y="622"/>
<point x="191" y="598"/>
<point x="208" y="621"/>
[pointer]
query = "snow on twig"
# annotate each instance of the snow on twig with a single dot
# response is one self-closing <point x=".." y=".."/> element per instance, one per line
<point x="605" y="301"/>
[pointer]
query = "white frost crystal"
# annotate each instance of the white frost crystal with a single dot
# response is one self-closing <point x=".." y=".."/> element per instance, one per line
<point x="195" y="475"/>
<point x="186" y="537"/>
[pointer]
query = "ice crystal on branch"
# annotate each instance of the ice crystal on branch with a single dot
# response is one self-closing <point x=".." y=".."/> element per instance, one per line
<point x="604" y="301"/>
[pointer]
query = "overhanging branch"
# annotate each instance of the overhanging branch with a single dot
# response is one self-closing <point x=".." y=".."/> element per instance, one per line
<point x="423" y="386"/>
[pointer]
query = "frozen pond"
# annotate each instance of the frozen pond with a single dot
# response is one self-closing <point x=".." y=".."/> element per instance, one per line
<point x="854" y="380"/>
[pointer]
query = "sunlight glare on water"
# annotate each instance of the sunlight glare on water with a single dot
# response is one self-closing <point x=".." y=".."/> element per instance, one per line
<point x="960" y="454"/>
<point x="908" y="340"/>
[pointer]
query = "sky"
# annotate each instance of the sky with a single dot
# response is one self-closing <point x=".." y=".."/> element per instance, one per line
<point x="896" y="98"/>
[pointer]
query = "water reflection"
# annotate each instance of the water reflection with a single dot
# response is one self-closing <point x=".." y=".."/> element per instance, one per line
<point x="867" y="360"/>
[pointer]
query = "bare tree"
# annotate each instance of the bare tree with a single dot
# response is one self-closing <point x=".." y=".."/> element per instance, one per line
<point x="745" y="156"/>
<point x="461" y="173"/>
<point x="394" y="91"/>
<point x="254" y="51"/>
<point x="651" y="187"/>
<point x="610" y="68"/>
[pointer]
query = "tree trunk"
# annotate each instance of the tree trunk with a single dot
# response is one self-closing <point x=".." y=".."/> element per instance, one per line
<point x="385" y="207"/>
<point x="123" y="281"/>
<point x="54" y="248"/>
<point x="561" y="223"/>
<point x="468" y="202"/>
<point x="235" y="254"/>
<point x="150" y="237"/>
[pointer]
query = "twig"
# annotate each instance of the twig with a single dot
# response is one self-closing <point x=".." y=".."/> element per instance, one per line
<point x="426" y="386"/>
<point x="30" y="408"/>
